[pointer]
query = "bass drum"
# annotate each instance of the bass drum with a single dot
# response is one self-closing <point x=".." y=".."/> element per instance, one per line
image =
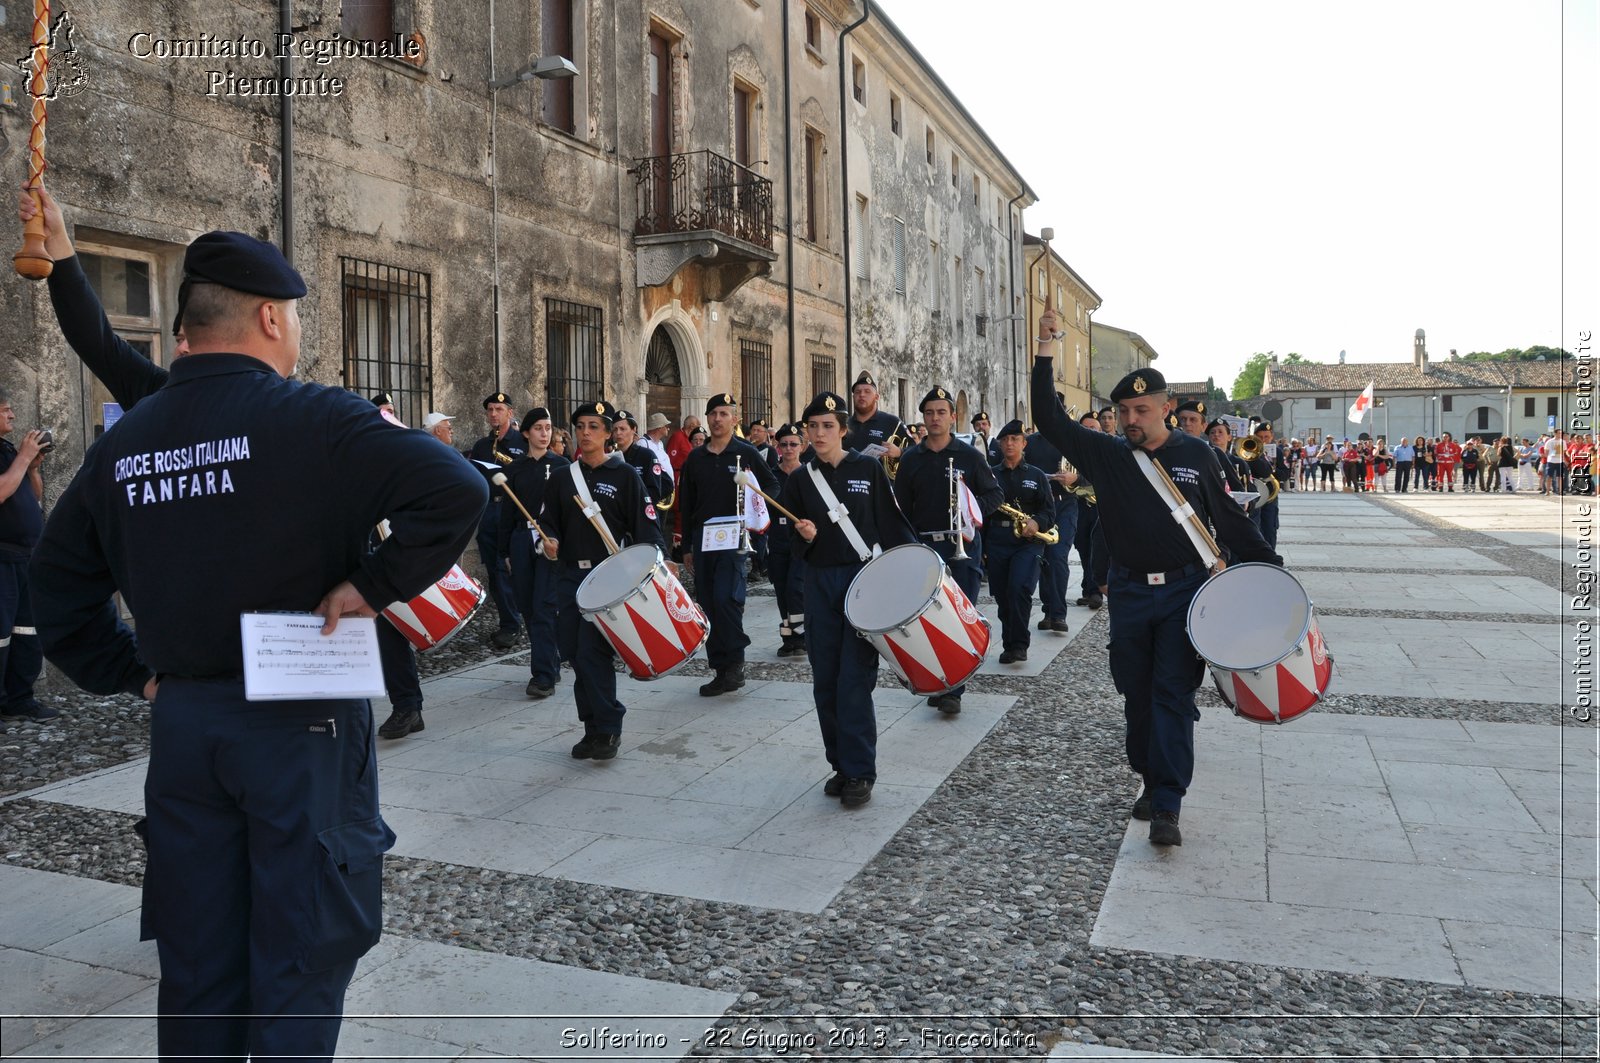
<point x="1256" y="627"/>
<point x="906" y="604"/>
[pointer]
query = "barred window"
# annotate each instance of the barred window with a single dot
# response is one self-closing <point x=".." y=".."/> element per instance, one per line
<point x="1324" y="403"/>
<point x="574" y="353"/>
<point x="822" y="373"/>
<point x="755" y="380"/>
<point x="388" y="330"/>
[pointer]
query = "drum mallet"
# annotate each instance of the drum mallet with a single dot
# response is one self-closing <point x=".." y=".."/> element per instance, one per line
<point x="499" y="480"/>
<point x="599" y="526"/>
<point x="745" y="477"/>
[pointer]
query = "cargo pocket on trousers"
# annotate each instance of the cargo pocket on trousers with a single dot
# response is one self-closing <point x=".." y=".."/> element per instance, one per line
<point x="347" y="904"/>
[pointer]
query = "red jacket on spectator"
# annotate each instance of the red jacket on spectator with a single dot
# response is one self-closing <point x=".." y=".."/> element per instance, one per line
<point x="678" y="448"/>
<point x="1448" y="452"/>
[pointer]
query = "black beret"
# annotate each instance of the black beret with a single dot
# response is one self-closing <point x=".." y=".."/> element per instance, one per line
<point x="864" y="378"/>
<point x="501" y="397"/>
<point x="244" y="264"/>
<point x="1172" y="420"/>
<point x="936" y="395"/>
<point x="788" y="429"/>
<point x="825" y="402"/>
<point x="721" y="399"/>
<point x="533" y="417"/>
<point x="1012" y="427"/>
<point x="757" y="421"/>
<point x="1137" y="383"/>
<point x="1192" y="406"/>
<point x="1220" y="423"/>
<point x="382" y="398"/>
<point x="624" y="415"/>
<point x="599" y="409"/>
<point x="1264" y="426"/>
<point x="979" y="416"/>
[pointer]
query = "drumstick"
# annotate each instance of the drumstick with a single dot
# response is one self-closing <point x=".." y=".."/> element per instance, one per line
<point x="744" y="477"/>
<point x="32" y="262"/>
<point x="499" y="480"/>
<point x="600" y="526"/>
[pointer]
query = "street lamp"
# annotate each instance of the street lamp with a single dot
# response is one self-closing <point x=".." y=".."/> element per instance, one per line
<point x="544" y="67"/>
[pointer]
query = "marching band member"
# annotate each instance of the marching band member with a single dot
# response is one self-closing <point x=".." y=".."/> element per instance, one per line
<point x="1263" y="513"/>
<point x="499" y="448"/>
<point x="758" y="435"/>
<point x="606" y="487"/>
<point x="1014" y="559"/>
<point x="1055" y="572"/>
<point x="643" y="458"/>
<point x="926" y="489"/>
<point x="706" y="490"/>
<point x="534" y="577"/>
<point x="871" y="426"/>
<point x="788" y="568"/>
<point x="1154" y="574"/>
<point x="1089" y="531"/>
<point x="1235" y="470"/>
<point x="847" y="509"/>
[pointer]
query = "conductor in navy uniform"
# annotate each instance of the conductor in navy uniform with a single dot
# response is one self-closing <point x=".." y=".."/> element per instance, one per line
<point x="233" y="490"/>
<point x="1155" y="570"/>
<point x="925" y="487"/>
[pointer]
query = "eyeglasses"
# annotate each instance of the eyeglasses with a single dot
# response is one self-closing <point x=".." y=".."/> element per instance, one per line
<point x="788" y="443"/>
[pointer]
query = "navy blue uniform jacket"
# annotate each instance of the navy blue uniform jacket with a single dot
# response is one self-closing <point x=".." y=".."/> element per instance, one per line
<point x="232" y="489"/>
<point x="1138" y="524"/>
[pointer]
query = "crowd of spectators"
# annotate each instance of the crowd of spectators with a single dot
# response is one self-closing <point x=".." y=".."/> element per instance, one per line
<point x="1555" y="463"/>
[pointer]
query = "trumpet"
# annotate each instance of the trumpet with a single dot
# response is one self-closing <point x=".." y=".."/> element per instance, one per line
<point x="955" y="511"/>
<point x="1249" y="448"/>
<point x="1019" y="521"/>
<point x="666" y="503"/>
<point x="1080" y="489"/>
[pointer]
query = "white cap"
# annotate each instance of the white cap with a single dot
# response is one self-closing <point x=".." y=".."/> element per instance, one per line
<point x="434" y="420"/>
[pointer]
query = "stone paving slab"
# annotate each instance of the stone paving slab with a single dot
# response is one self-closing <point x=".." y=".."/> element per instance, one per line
<point x="1461" y="853"/>
<point x="1351" y="557"/>
<point x="1428" y="593"/>
<point x="1468" y="660"/>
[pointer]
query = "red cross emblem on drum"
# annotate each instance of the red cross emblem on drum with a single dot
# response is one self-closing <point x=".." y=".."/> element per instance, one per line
<point x="1257" y="630"/>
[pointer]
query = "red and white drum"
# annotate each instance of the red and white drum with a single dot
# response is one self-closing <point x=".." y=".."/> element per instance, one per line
<point x="905" y="603"/>
<point x="643" y="611"/>
<point x="436" y="615"/>
<point x="1256" y="627"/>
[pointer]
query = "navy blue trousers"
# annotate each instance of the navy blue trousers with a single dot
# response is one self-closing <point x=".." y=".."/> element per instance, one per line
<point x="1156" y="671"/>
<point x="1013" y="574"/>
<point x="1083" y="539"/>
<point x="399" y="660"/>
<point x="788" y="582"/>
<point x="594" y="684"/>
<point x="968" y="574"/>
<point x="1269" y="524"/>
<point x="21" y="658"/>
<point x="496" y="580"/>
<point x="1054" y="574"/>
<point x="719" y="587"/>
<point x="533" y="583"/>
<point x="265" y="877"/>
<point x="844" y="671"/>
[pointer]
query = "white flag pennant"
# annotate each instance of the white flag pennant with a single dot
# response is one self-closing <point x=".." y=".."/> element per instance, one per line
<point x="1363" y="404"/>
<point x="971" y="514"/>
<point x="756" y="517"/>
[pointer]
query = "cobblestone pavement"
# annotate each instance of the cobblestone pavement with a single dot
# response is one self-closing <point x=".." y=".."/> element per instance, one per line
<point x="977" y="921"/>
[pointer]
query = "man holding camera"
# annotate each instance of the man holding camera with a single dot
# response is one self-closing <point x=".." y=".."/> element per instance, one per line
<point x="21" y="521"/>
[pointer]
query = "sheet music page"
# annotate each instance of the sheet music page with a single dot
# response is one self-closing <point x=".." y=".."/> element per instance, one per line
<point x="286" y="657"/>
<point x="874" y="450"/>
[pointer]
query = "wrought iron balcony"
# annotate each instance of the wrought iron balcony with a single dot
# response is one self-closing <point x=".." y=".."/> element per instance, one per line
<point x="700" y="207"/>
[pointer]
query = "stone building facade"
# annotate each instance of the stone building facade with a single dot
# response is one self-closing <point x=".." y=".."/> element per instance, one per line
<point x="669" y="223"/>
<point x="1057" y="284"/>
<point x="1117" y="352"/>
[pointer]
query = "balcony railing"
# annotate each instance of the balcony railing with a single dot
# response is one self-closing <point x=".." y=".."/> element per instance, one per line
<point x="700" y="191"/>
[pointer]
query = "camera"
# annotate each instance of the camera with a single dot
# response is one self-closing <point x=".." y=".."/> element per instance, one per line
<point x="47" y="440"/>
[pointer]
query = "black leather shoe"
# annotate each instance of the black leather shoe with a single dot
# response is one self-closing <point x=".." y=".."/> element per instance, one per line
<point x="539" y="691"/>
<point x="856" y="792"/>
<point x="503" y="640"/>
<point x="585" y="747"/>
<point x="1141" y="806"/>
<point x="719" y="685"/>
<point x="834" y="786"/>
<point x="1096" y="601"/>
<point x="401" y="722"/>
<point x="1164" y="829"/>
<point x="949" y="704"/>
<point x="1043" y="625"/>
<point x="29" y="709"/>
<point x="1059" y="626"/>
<point x="1008" y="657"/>
<point x="604" y="747"/>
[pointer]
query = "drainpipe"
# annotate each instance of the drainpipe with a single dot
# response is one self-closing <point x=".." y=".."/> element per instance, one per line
<point x="1011" y="282"/>
<point x="286" y="137"/>
<point x="788" y="210"/>
<point x="844" y="185"/>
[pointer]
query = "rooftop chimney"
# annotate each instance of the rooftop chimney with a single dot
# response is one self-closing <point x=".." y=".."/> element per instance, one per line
<point x="1419" y="351"/>
<point x="1341" y="357"/>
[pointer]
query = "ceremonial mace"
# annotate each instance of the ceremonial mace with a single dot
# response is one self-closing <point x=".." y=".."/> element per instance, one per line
<point x="32" y="262"/>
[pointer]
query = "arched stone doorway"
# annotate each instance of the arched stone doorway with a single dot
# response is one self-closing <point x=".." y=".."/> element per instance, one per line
<point x="674" y="365"/>
<point x="662" y="383"/>
<point x="1484" y="422"/>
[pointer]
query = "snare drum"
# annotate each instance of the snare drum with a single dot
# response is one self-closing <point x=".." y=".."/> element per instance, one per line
<point x="643" y="611"/>
<point x="1256" y="627"/>
<point x="438" y="614"/>
<point x="906" y="604"/>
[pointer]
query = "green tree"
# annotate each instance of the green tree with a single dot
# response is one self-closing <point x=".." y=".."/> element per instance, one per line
<point x="1214" y="394"/>
<point x="1247" y="385"/>
<point x="1519" y="354"/>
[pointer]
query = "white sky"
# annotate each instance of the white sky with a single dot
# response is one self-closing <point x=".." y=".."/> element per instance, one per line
<point x="1252" y="175"/>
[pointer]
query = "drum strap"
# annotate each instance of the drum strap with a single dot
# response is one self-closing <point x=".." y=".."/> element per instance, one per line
<point x="839" y="514"/>
<point x="1178" y="506"/>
